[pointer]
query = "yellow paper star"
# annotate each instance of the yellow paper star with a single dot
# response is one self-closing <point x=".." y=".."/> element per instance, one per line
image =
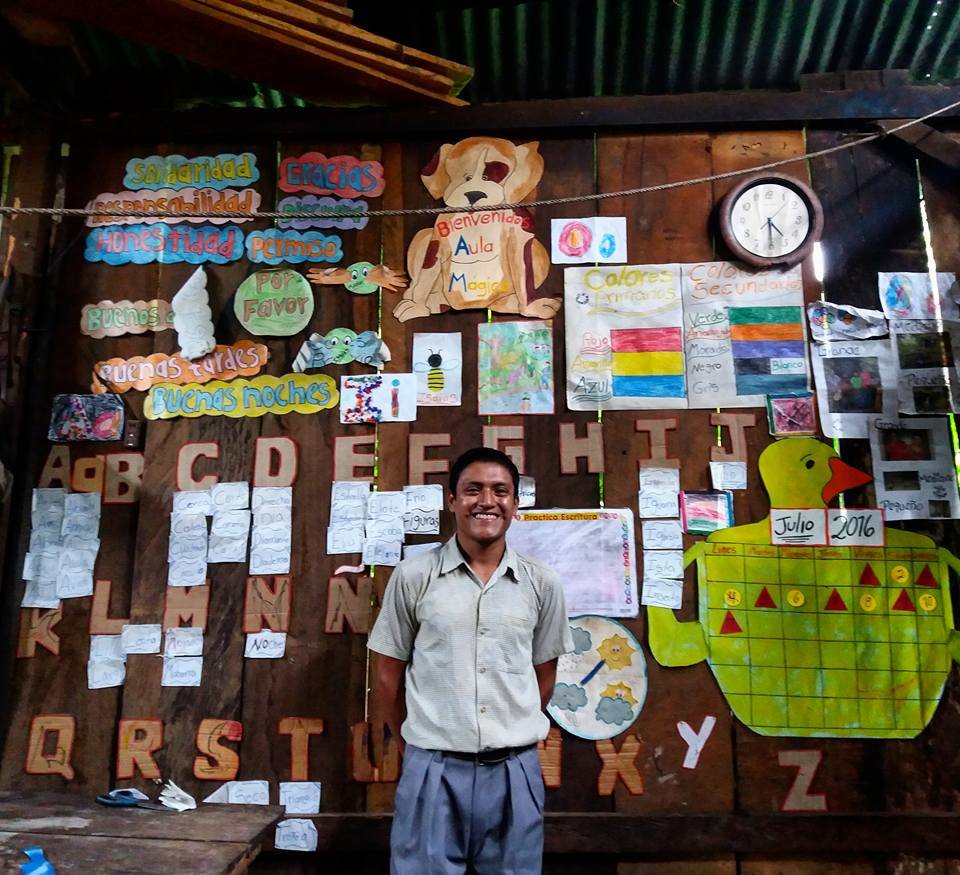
<point x="621" y="691"/>
<point x="616" y="652"/>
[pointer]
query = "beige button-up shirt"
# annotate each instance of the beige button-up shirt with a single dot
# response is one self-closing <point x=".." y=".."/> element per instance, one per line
<point x="471" y="648"/>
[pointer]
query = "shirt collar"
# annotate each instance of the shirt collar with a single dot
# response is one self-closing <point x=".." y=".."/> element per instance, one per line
<point x="451" y="558"/>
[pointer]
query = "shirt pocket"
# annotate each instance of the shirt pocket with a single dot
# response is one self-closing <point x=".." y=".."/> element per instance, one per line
<point x="513" y="643"/>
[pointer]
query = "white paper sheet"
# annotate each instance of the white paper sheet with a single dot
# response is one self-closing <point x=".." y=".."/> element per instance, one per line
<point x="271" y="535"/>
<point x="230" y="496"/>
<point x="913" y="469"/>
<point x="624" y="328"/>
<point x="709" y="289"/>
<point x="141" y="638"/>
<point x="265" y="644"/>
<point x="528" y="492"/>
<point x="183" y="641"/>
<point x="300" y="797"/>
<point x="197" y="501"/>
<point x="226" y="549"/>
<point x="663" y="564"/>
<point x="591" y="240"/>
<point x="925" y="350"/>
<point x="662" y="535"/>
<point x="296" y="834"/>
<point x="182" y="671"/>
<point x="728" y="475"/>
<point x="271" y="495"/>
<point x="662" y="592"/>
<point x="40" y="594"/>
<point x="345" y="539"/>
<point x="192" y="318"/>
<point x="905" y="295"/>
<point x="428" y="496"/>
<point x="856" y="381"/>
<point x="841" y="322"/>
<point x="348" y="501"/>
<point x="376" y="552"/>
<point x="383" y="398"/>
<point x="438" y="364"/>
<point x="421" y="522"/>
<point x="103" y="673"/>
<point x="592" y="550"/>
<point x="659" y="492"/>
<point x="385" y="529"/>
<point x="386" y="505"/>
<point x="248" y="792"/>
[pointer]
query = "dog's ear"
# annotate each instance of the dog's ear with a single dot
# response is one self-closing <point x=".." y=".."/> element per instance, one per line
<point x="527" y="173"/>
<point x="434" y="175"/>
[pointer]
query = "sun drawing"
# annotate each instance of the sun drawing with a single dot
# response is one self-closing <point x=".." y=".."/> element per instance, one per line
<point x="616" y="652"/>
<point x="621" y="691"/>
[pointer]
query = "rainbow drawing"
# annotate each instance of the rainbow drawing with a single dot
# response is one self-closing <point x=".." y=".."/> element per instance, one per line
<point x="648" y="362"/>
<point x="768" y="349"/>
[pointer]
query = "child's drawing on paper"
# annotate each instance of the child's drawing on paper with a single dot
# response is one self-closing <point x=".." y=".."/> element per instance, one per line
<point x="515" y="365"/>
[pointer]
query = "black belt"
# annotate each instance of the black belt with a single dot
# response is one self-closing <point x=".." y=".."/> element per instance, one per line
<point x="487" y="757"/>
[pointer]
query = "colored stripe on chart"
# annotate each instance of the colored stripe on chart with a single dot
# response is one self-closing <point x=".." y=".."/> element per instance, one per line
<point x="772" y="349"/>
<point x="643" y="364"/>
<point x="649" y="387"/>
<point x="764" y="315"/>
<point x="765" y="384"/>
<point x="646" y="339"/>
<point x="780" y="331"/>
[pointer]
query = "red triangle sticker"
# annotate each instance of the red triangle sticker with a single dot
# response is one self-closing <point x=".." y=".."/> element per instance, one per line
<point x="926" y="578"/>
<point x="730" y="625"/>
<point x="868" y="578"/>
<point x="765" y="600"/>
<point x="835" y="602"/>
<point x="903" y="602"/>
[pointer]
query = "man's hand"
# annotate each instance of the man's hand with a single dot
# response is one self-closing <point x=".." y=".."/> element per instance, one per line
<point x="391" y="674"/>
<point x="546" y="677"/>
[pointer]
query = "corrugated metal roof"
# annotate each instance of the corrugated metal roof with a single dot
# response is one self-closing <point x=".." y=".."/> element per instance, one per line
<point x="580" y="48"/>
<point x="555" y="48"/>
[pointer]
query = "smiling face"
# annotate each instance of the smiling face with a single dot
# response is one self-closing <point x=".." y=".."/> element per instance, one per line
<point x="484" y="504"/>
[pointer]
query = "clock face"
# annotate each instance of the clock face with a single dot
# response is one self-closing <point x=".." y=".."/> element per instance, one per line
<point x="770" y="220"/>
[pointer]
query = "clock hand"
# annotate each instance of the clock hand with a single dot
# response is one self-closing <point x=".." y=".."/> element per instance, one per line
<point x="775" y="228"/>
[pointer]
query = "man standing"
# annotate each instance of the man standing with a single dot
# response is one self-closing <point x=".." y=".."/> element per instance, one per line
<point x="468" y="637"/>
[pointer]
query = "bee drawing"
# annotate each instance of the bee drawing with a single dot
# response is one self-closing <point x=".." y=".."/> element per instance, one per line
<point x="434" y="367"/>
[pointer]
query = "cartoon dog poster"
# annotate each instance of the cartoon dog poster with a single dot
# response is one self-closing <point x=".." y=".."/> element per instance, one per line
<point x="483" y="259"/>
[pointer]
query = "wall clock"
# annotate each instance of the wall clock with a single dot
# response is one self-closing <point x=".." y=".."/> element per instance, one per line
<point x="771" y="219"/>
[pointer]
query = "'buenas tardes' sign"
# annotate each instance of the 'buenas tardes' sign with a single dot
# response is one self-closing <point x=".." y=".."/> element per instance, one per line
<point x="225" y="170"/>
<point x="291" y="393"/>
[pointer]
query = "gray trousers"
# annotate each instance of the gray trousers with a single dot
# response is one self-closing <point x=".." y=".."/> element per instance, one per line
<point x="452" y="813"/>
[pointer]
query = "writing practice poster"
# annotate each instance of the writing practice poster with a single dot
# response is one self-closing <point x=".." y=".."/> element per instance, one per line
<point x="593" y="551"/>
<point x="624" y="337"/>
<point x="927" y="381"/>
<point x="735" y="356"/>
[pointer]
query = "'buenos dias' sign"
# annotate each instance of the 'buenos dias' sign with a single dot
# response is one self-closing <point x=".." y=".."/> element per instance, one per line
<point x="198" y="205"/>
<point x="340" y="174"/>
<point x="275" y="247"/>
<point x="244" y="358"/>
<point x="109" y="319"/>
<point x="177" y="171"/>
<point x="141" y="244"/>
<point x="274" y="303"/>
<point x="291" y="393"/>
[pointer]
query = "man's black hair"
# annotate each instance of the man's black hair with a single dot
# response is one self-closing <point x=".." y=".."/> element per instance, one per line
<point x="484" y="454"/>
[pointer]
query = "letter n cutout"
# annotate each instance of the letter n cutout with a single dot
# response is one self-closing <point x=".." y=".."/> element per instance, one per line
<point x="619" y="764"/>
<point x="346" y="603"/>
<point x="268" y="605"/>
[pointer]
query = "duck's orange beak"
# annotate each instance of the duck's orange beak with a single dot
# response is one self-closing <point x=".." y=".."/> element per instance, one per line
<point x="844" y="477"/>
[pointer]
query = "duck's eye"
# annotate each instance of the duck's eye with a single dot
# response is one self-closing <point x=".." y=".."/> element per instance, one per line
<point x="809" y="463"/>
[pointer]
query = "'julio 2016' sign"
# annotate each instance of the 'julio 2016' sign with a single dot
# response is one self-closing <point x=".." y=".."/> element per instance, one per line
<point x="342" y="175"/>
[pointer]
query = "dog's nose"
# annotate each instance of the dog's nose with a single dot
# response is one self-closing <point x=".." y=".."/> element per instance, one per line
<point x="474" y="196"/>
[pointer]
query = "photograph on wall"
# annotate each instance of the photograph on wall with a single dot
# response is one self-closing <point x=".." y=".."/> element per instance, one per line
<point x="928" y="380"/>
<point x="856" y="381"/>
<point x="913" y="469"/>
<point x="906" y="295"/>
<point x="515" y="368"/>
<point x="792" y="413"/>
<point x="438" y="364"/>
<point x="624" y="337"/>
<point x="737" y="365"/>
<point x="593" y="551"/>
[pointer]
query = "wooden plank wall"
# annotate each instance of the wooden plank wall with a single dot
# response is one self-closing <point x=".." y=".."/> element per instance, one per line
<point x="873" y="223"/>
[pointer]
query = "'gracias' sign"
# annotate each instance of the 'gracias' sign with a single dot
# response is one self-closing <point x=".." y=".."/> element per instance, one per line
<point x="343" y="175"/>
<point x="291" y="393"/>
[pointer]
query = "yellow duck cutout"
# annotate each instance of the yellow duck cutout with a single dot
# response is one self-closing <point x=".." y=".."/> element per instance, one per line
<point x="817" y="641"/>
